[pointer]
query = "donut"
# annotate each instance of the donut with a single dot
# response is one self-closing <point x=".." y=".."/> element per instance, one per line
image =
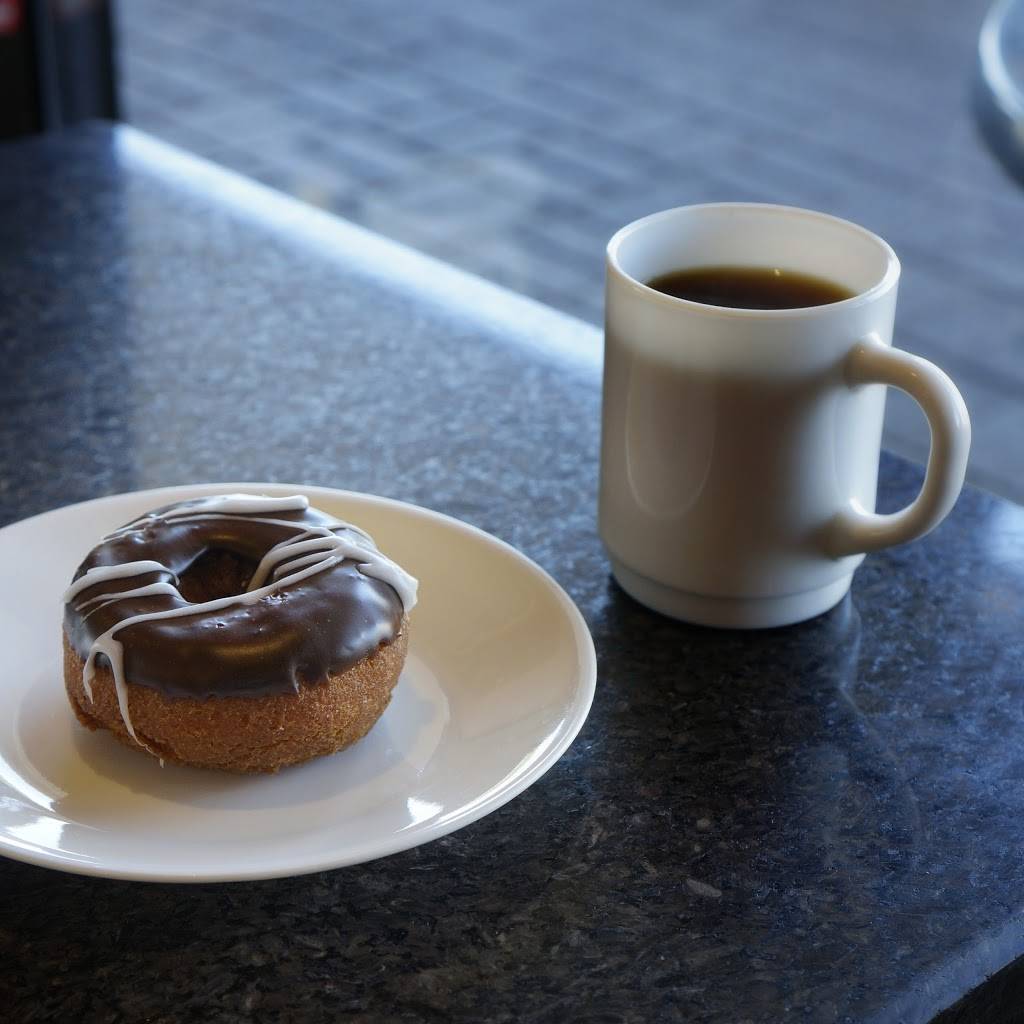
<point x="238" y="632"/>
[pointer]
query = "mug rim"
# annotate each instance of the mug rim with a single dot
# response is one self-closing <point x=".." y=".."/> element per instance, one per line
<point x="882" y="285"/>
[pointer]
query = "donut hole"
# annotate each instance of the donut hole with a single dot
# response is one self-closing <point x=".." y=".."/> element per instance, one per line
<point x="214" y="574"/>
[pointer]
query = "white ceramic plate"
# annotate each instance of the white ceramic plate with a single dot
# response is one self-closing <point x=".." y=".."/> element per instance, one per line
<point x="498" y="682"/>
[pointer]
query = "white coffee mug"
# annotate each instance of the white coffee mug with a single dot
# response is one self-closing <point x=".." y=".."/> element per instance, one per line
<point x="740" y="448"/>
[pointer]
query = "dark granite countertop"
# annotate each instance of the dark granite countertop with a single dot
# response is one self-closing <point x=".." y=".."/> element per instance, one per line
<point x="823" y="823"/>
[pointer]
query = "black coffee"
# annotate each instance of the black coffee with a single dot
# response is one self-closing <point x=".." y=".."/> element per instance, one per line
<point x="750" y="287"/>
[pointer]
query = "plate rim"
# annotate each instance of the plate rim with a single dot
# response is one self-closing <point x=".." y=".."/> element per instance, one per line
<point x="467" y="814"/>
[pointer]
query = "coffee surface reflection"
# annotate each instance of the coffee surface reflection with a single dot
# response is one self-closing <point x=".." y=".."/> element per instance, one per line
<point x="750" y="287"/>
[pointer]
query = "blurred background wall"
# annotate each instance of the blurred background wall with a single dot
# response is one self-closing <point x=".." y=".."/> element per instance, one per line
<point x="513" y="138"/>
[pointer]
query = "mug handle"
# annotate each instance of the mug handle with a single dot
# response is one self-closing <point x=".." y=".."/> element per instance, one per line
<point x="854" y="531"/>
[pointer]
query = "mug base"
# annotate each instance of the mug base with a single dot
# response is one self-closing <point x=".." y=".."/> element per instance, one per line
<point x="730" y="612"/>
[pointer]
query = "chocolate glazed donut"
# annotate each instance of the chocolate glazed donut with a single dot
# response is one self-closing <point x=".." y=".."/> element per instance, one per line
<point x="216" y="615"/>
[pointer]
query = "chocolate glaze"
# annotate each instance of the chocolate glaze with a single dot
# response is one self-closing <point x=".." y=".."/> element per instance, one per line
<point x="316" y="620"/>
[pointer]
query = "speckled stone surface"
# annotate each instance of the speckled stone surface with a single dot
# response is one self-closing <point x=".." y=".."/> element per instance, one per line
<point x="823" y="823"/>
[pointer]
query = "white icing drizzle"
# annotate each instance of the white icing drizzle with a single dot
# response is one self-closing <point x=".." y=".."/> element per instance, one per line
<point x="229" y="504"/>
<point x="102" y="600"/>
<point x="312" y="550"/>
<point x="102" y="573"/>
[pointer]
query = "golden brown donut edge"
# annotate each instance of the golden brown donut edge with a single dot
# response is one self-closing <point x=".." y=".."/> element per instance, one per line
<point x="244" y="734"/>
